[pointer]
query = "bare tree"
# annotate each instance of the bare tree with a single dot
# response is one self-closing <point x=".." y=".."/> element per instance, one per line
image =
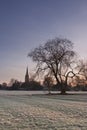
<point x="55" y="57"/>
<point x="48" y="82"/>
<point x="82" y="67"/>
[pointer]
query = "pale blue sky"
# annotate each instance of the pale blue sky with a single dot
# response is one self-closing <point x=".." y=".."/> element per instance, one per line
<point x="24" y="24"/>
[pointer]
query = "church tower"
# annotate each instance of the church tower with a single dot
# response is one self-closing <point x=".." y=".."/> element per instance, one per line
<point x="27" y="76"/>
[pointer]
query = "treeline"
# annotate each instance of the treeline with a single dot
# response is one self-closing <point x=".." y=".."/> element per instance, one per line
<point x="36" y="86"/>
<point x="32" y="85"/>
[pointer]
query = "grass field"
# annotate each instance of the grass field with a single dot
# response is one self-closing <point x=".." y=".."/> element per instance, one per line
<point x="23" y="111"/>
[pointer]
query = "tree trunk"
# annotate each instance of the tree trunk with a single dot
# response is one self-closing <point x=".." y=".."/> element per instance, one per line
<point x="63" y="89"/>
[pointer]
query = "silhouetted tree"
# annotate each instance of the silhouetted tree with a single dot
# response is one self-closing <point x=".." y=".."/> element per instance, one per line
<point x="25" y="86"/>
<point x="81" y="78"/>
<point x="12" y="81"/>
<point x="55" y="57"/>
<point x="82" y="66"/>
<point x="48" y="82"/>
<point x="0" y="86"/>
<point x="4" y="85"/>
<point x="34" y="85"/>
<point x="15" y="85"/>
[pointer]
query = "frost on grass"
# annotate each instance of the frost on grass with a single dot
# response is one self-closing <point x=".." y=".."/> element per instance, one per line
<point x="42" y="113"/>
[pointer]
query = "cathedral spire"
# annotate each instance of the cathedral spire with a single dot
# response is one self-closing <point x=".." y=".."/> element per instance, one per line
<point x="27" y="71"/>
<point x="27" y="76"/>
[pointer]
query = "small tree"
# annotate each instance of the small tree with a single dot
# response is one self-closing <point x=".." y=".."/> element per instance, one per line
<point x="48" y="82"/>
<point x="15" y="85"/>
<point x="83" y="69"/>
<point x="82" y="73"/>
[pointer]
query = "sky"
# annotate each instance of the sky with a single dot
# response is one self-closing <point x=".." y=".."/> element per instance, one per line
<point x="25" y="24"/>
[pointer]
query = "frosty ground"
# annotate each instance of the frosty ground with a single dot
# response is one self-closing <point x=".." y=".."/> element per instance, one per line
<point x="24" y="110"/>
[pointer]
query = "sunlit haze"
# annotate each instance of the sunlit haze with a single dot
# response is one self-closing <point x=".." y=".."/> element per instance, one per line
<point x="25" y="24"/>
